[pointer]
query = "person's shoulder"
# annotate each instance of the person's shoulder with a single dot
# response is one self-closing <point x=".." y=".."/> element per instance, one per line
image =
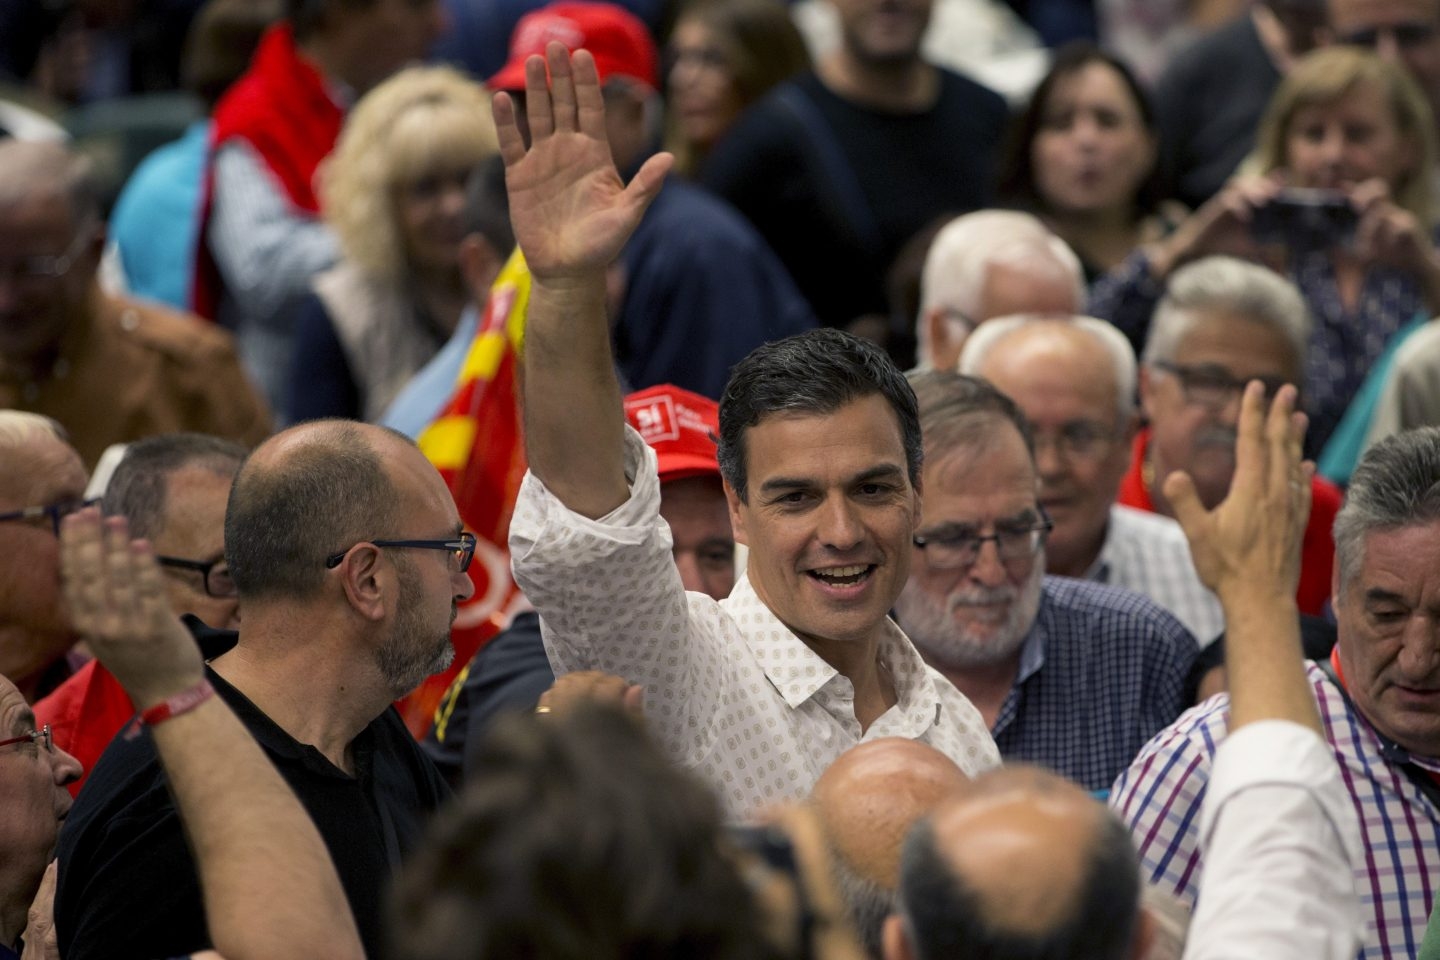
<point x="1114" y="624"/>
<point x="1069" y="597"/>
<point x="1152" y="528"/>
<point x="971" y="91"/>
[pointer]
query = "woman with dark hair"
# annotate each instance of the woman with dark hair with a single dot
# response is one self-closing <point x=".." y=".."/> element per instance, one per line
<point x="724" y="55"/>
<point x="1082" y="158"/>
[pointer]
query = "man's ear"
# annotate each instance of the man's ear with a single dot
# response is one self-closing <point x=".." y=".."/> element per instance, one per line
<point x="1146" y="389"/>
<point x="733" y="504"/>
<point x="895" y="940"/>
<point x="367" y="581"/>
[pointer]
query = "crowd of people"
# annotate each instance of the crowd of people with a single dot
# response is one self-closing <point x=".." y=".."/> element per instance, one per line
<point x="705" y="480"/>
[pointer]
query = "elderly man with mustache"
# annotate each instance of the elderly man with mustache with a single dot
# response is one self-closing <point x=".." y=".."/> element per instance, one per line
<point x="1222" y="323"/>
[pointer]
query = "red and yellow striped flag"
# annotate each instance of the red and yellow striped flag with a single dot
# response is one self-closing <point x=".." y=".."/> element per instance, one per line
<point x="477" y="445"/>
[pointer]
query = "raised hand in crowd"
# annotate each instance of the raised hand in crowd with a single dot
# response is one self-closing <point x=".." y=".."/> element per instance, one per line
<point x="571" y="214"/>
<point x="1247" y="550"/>
<point x="258" y="852"/>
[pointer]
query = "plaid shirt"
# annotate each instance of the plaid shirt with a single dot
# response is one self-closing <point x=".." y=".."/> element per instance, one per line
<point x="1159" y="799"/>
<point x="1102" y="670"/>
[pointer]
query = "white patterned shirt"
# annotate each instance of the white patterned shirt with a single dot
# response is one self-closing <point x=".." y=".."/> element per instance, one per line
<point x="1148" y="553"/>
<point x="730" y="691"/>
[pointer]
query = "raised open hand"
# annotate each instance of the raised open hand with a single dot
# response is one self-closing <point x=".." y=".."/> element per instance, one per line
<point x="570" y="211"/>
<point x="117" y="603"/>
<point x="1251" y="541"/>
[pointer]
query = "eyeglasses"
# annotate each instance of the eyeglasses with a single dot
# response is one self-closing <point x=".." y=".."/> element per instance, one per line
<point x="48" y="267"/>
<point x="1077" y="440"/>
<point x="1213" y="387"/>
<point x="461" y="550"/>
<point x="55" y="512"/>
<point x="217" y="582"/>
<point x="958" y="549"/>
<point x="1405" y="35"/>
<point x="41" y="736"/>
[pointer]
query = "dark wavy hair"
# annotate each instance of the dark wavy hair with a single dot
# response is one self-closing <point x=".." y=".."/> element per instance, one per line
<point x="1016" y="186"/>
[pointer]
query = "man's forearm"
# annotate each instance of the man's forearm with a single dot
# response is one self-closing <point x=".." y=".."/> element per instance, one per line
<point x="574" y="421"/>
<point x="271" y="890"/>
<point x="1264" y="663"/>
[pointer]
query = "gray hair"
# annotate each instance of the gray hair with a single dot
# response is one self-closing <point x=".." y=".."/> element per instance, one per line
<point x="979" y="345"/>
<point x="139" y="488"/>
<point x="19" y="427"/>
<point x="1396" y="484"/>
<point x="29" y="168"/>
<point x="954" y="272"/>
<point x="959" y="413"/>
<point x="867" y="903"/>
<point x="1231" y="285"/>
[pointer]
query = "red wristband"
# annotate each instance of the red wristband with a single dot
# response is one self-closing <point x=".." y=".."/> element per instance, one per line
<point x="182" y="702"/>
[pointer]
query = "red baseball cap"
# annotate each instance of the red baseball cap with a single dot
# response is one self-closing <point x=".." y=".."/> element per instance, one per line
<point x="682" y="428"/>
<point x="617" y="39"/>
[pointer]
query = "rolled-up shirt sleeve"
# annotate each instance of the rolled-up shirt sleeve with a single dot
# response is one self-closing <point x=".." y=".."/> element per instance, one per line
<point x="610" y="597"/>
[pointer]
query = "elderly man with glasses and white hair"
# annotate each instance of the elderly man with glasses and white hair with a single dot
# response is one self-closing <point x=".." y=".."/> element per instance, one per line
<point x="1071" y="675"/>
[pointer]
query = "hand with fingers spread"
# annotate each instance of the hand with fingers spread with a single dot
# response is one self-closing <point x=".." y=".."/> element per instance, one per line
<point x="569" y="208"/>
<point x="117" y="602"/>
<point x="1251" y="541"/>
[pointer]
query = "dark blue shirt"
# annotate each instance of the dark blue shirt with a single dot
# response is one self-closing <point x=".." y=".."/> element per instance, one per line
<point x="1102" y="671"/>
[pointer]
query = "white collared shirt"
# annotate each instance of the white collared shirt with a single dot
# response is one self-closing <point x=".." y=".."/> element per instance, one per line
<point x="730" y="691"/>
<point x="1149" y="554"/>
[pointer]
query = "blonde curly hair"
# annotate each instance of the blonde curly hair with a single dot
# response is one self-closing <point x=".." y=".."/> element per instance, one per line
<point x="421" y="121"/>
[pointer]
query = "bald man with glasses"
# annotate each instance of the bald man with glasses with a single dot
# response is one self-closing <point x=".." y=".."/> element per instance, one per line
<point x="349" y="559"/>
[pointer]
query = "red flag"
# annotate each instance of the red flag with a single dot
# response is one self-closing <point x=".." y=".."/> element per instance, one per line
<point x="477" y="445"/>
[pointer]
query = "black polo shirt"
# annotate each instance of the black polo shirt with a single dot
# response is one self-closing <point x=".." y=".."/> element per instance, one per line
<point x="128" y="886"/>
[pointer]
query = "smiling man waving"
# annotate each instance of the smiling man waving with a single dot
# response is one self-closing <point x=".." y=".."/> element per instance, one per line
<point x="820" y="451"/>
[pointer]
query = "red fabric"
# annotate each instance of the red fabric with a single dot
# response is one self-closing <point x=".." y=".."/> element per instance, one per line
<point x="85" y="713"/>
<point x="281" y="108"/>
<point x="1317" y="550"/>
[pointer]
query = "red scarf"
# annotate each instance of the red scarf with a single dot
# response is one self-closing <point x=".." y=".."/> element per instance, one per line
<point x="282" y="109"/>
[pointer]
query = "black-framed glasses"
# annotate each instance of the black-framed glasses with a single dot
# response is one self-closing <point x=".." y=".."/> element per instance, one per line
<point x="54" y="512"/>
<point x="1076" y="440"/>
<point x="41" y="737"/>
<point x="48" y="267"/>
<point x="461" y="550"/>
<point x="1214" y="387"/>
<point x="958" y="549"/>
<point x="215" y="574"/>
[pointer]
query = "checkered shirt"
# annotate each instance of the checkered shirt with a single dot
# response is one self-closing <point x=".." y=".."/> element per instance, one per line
<point x="1102" y="670"/>
<point x="1159" y="799"/>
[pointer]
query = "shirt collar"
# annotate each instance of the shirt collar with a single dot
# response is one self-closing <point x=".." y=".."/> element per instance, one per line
<point x="798" y="673"/>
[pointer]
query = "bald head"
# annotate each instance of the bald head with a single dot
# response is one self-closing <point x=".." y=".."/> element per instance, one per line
<point x="867" y="801"/>
<point x="1025" y="863"/>
<point x="308" y="492"/>
<point x="1011" y="350"/>
<point x="872" y="795"/>
<point x="34" y="171"/>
